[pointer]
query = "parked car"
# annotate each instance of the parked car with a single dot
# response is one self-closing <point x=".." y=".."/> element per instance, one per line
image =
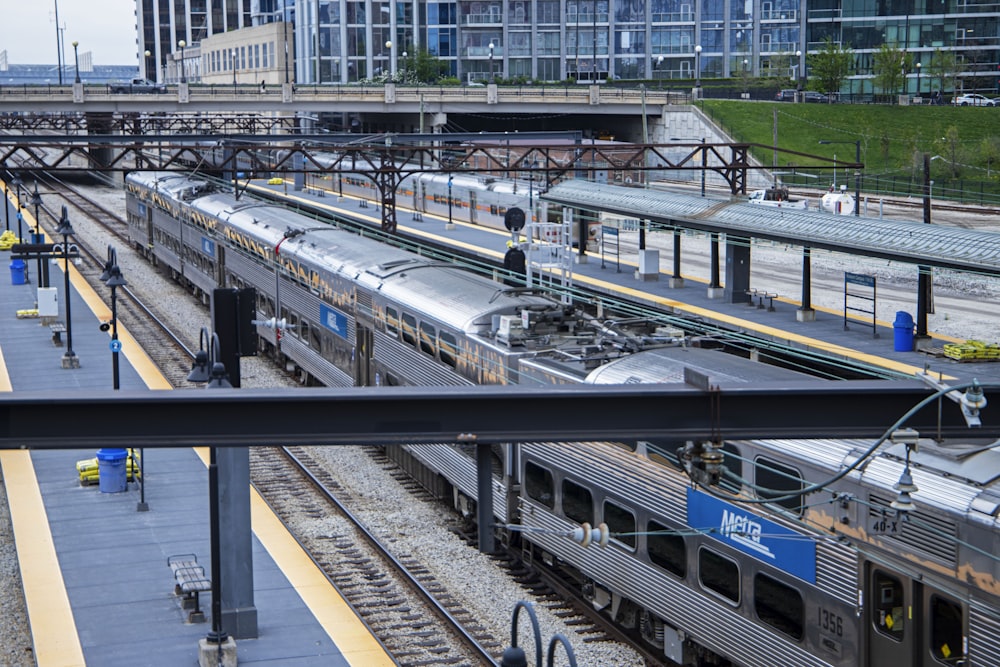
<point x="788" y="95"/>
<point x="813" y="96"/>
<point x="137" y="85"/>
<point x="972" y="100"/>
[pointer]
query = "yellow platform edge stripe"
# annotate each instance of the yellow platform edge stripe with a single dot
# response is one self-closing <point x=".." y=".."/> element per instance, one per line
<point x="353" y="638"/>
<point x="53" y="630"/>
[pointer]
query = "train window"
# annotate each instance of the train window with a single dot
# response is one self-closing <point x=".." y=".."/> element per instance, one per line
<point x="782" y="479"/>
<point x="410" y="329"/>
<point x="666" y="549"/>
<point x="779" y="605"/>
<point x="538" y="484"/>
<point x="947" y="640"/>
<point x="428" y="339"/>
<point x="391" y="321"/>
<point x="621" y="523"/>
<point x="577" y="503"/>
<point x="312" y="335"/>
<point x="449" y="349"/>
<point x="887" y="598"/>
<point x="719" y="574"/>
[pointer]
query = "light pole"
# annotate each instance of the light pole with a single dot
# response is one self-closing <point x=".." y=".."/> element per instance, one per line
<point x="285" y="23"/>
<point x="857" y="171"/>
<point x="16" y="182"/>
<point x="451" y="224"/>
<point x="76" y="62"/>
<point x="112" y="277"/>
<point x="919" y="66"/>
<point x="697" y="69"/>
<point x="234" y="71"/>
<point x="798" y="75"/>
<point x="392" y="61"/>
<point x="65" y="229"/>
<point x="182" y="44"/>
<point x="491" y="61"/>
<point x="59" y="58"/>
<point x="6" y="205"/>
<point x="208" y="367"/>
<point x="36" y="237"/>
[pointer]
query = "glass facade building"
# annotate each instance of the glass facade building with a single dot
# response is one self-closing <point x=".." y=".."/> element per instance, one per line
<point x="343" y="41"/>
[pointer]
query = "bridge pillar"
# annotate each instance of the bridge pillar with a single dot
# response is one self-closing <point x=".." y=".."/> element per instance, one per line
<point x="99" y="122"/>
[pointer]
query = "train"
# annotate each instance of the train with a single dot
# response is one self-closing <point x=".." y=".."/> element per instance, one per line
<point x="791" y="553"/>
<point x="479" y="199"/>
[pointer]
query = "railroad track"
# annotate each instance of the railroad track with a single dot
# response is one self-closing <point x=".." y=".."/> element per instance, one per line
<point x="415" y="617"/>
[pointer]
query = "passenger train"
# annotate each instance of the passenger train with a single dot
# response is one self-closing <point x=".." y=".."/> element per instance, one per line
<point x="712" y="553"/>
<point x="479" y="199"/>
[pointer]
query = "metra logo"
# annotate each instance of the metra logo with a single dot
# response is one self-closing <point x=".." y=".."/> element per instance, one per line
<point x="745" y="530"/>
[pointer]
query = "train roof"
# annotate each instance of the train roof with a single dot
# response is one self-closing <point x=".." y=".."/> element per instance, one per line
<point x="667" y="365"/>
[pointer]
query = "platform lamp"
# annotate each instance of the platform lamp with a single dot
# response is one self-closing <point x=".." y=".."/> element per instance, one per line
<point x="65" y="229"/>
<point x="182" y="44"/>
<point x="491" y="47"/>
<point x="697" y="69"/>
<point x="36" y="236"/>
<point x="6" y="205"/>
<point x="919" y="66"/>
<point x="798" y="73"/>
<point x="76" y="62"/>
<point x="17" y="183"/>
<point x="208" y="367"/>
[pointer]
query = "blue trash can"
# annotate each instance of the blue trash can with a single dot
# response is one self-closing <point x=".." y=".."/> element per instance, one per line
<point x="17" y="272"/>
<point x="903" y="332"/>
<point x="111" y="465"/>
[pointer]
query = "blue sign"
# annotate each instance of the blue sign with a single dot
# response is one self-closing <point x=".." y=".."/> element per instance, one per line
<point x="208" y="246"/>
<point x="116" y="345"/>
<point x="142" y="209"/>
<point x="787" y="550"/>
<point x="334" y="320"/>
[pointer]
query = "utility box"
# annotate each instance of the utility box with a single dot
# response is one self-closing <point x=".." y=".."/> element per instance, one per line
<point x="48" y="302"/>
<point x="649" y="265"/>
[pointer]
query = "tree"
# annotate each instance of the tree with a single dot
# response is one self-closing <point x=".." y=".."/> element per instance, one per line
<point x="421" y="66"/>
<point x="943" y="68"/>
<point x="831" y="65"/>
<point x="889" y="65"/>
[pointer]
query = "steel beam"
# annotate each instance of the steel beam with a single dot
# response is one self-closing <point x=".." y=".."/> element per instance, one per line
<point x="250" y="417"/>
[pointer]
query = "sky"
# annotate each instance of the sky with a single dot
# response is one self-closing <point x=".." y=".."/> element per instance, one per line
<point x="105" y="28"/>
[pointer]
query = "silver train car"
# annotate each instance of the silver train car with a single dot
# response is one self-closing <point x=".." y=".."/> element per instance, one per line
<point x="462" y="197"/>
<point x="349" y="310"/>
<point x="836" y="578"/>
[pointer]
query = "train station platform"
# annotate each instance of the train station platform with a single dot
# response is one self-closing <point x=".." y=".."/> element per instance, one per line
<point x="772" y="318"/>
<point x="94" y="569"/>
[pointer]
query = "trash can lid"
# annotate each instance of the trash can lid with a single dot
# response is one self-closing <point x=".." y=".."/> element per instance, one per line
<point x="903" y="317"/>
<point x="111" y="454"/>
<point x="17" y="263"/>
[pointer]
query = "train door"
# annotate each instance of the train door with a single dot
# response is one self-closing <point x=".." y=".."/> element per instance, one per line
<point x="364" y="344"/>
<point x="473" y="211"/>
<point x="910" y="623"/>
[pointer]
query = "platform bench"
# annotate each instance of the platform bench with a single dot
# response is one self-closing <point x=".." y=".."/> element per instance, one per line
<point x="190" y="581"/>
<point x="761" y="295"/>
<point x="57" y="329"/>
